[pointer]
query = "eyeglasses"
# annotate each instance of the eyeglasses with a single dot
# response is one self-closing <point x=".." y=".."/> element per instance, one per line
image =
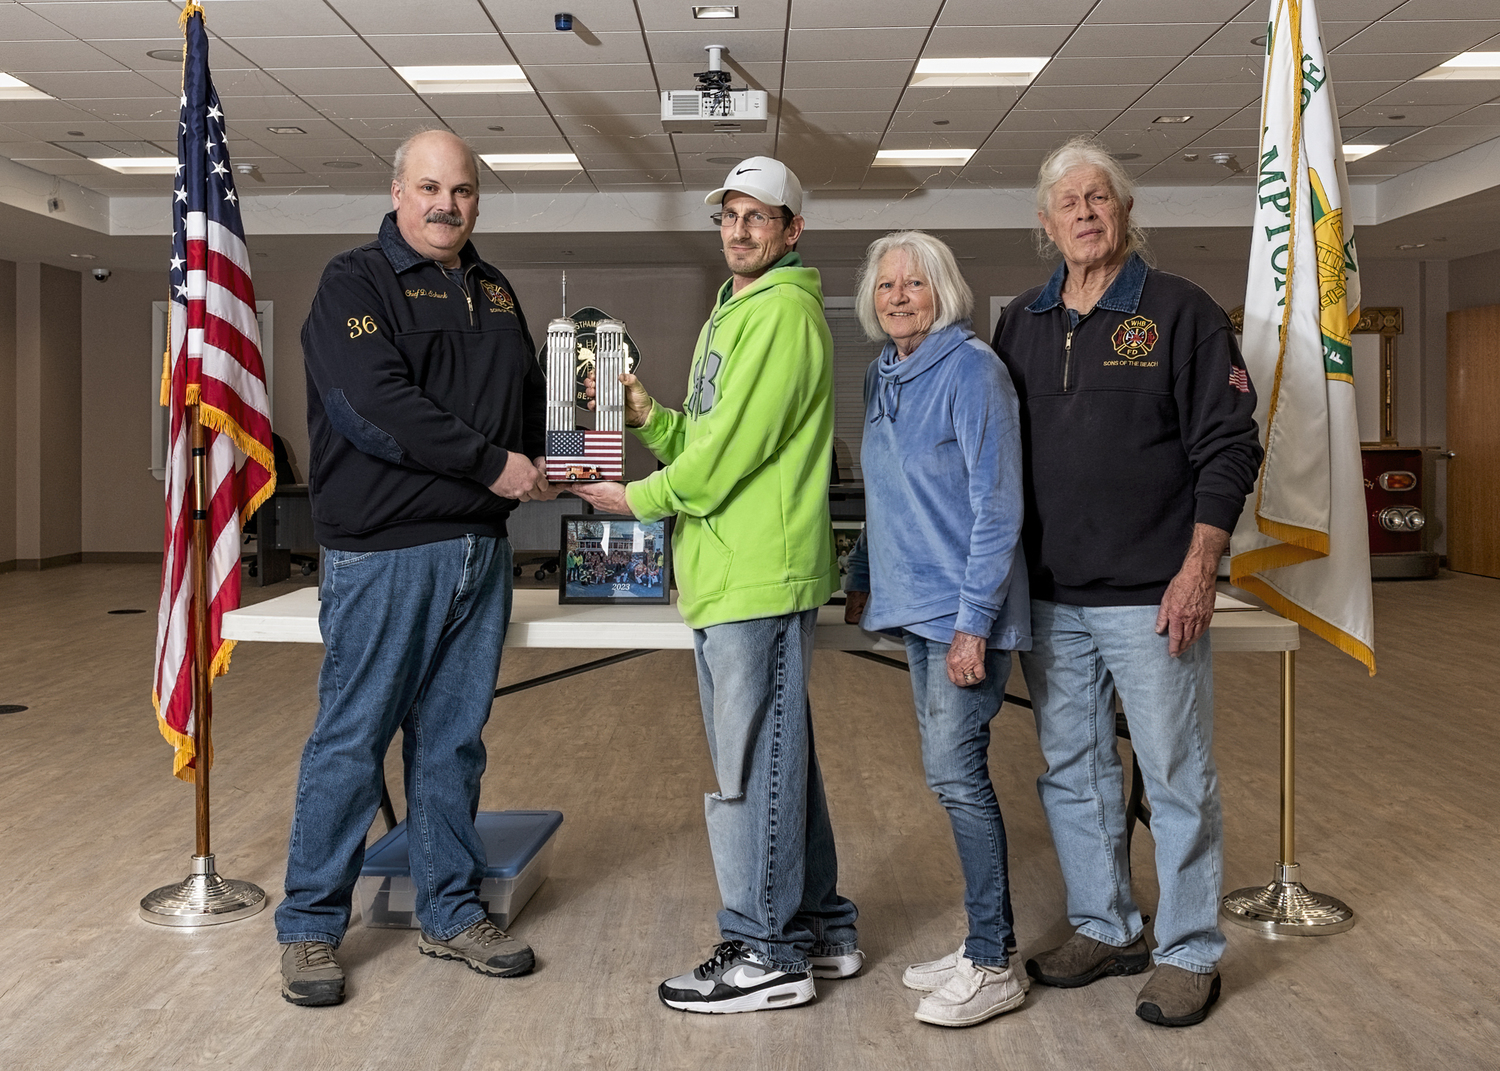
<point x="755" y="220"/>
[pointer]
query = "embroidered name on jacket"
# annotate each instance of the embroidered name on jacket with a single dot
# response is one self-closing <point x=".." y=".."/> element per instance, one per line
<point x="498" y="296"/>
<point x="1134" y="338"/>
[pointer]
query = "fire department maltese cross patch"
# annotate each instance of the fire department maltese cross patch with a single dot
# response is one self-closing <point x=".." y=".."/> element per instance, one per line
<point x="1134" y="338"/>
<point x="502" y="301"/>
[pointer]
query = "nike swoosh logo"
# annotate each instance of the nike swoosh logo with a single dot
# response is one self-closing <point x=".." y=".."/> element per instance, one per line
<point x="743" y="170"/>
<point x="743" y="977"/>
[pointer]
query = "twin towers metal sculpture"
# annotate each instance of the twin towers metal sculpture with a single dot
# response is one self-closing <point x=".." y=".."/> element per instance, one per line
<point x="578" y="455"/>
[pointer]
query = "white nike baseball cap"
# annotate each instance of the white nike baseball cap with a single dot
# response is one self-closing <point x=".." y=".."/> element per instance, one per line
<point x="768" y="181"/>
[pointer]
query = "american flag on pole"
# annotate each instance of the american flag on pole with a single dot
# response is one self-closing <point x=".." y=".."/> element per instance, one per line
<point x="581" y="456"/>
<point x="214" y="363"/>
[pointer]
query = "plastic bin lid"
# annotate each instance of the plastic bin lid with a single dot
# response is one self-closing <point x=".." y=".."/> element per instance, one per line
<point x="511" y="839"/>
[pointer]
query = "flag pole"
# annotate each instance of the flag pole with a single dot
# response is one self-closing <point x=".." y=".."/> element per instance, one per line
<point x="203" y="898"/>
<point x="1285" y="907"/>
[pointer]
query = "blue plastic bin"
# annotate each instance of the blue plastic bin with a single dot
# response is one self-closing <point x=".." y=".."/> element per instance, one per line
<point x="518" y="848"/>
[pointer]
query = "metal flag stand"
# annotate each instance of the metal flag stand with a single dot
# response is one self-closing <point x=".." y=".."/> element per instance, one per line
<point x="203" y="898"/>
<point x="1285" y="908"/>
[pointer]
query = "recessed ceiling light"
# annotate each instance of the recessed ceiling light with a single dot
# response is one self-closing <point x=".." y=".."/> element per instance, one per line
<point x="940" y="122"/>
<point x="138" y="165"/>
<point x="1190" y="156"/>
<point x="496" y="129"/>
<point x="15" y="89"/>
<point x="1467" y="67"/>
<point x="166" y="55"/>
<point x="1359" y="152"/>
<point x="1171" y="119"/>
<point x="501" y="78"/>
<point x="979" y="71"/>
<point x="1261" y="40"/>
<point x="343" y="165"/>
<point x="1399" y="116"/>
<point x="83" y="256"/>
<point x="531" y="161"/>
<point x="286" y="130"/>
<point x="922" y="157"/>
<point x="716" y="11"/>
<point x="75" y="133"/>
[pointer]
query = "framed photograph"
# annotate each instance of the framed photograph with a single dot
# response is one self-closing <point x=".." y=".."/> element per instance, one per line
<point x="609" y="559"/>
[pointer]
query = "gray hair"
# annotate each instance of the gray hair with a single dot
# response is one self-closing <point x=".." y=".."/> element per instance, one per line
<point x="398" y="161"/>
<point x="1085" y="151"/>
<point x="953" y="300"/>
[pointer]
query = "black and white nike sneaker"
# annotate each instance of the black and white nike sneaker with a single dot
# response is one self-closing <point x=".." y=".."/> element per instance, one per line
<point x="736" y="979"/>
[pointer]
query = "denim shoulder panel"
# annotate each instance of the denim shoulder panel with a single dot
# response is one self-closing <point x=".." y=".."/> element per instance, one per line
<point x="359" y="431"/>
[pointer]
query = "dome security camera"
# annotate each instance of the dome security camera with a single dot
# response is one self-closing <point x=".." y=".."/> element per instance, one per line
<point x="102" y="274"/>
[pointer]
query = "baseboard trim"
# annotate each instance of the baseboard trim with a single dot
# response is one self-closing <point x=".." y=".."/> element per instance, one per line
<point x="33" y="565"/>
<point x="122" y="557"/>
<point x="8" y="567"/>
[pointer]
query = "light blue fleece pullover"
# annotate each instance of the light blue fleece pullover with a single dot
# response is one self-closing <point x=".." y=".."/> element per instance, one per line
<point x="941" y="548"/>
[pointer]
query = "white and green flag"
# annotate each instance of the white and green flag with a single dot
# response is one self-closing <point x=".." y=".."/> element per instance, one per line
<point x="1301" y="543"/>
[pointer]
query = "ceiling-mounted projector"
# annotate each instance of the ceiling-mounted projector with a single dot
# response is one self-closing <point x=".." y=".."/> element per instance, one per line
<point x="713" y="107"/>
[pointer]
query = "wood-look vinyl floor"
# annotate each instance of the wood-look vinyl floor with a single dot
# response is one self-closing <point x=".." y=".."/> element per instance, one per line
<point x="1398" y="816"/>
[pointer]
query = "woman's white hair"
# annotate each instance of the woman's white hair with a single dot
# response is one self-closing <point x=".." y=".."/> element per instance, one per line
<point x="933" y="261"/>
<point x="1085" y="151"/>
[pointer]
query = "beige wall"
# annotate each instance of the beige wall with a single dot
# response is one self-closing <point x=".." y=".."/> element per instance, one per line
<point x="1475" y="281"/>
<point x="8" y="402"/>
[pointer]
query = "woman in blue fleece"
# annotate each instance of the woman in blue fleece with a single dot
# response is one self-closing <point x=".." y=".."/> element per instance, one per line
<point x="941" y="560"/>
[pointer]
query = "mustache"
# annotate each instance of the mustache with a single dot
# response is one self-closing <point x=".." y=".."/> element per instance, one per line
<point x="437" y="215"/>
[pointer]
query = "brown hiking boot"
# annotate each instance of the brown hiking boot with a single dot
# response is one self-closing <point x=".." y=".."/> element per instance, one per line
<point x="1176" y="997"/>
<point x="1081" y="960"/>
<point x="310" y="976"/>
<point x="485" y="947"/>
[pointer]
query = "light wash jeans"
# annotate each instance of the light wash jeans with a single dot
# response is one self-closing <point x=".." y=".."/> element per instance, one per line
<point x="412" y="640"/>
<point x="955" y="724"/>
<point x="768" y="824"/>
<point x="1079" y="656"/>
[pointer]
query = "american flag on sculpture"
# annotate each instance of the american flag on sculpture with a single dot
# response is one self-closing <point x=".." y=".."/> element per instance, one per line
<point x="214" y="363"/>
<point x="580" y="456"/>
<point x="1302" y="542"/>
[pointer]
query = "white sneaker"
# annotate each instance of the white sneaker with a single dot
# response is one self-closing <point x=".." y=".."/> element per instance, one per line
<point x="972" y="995"/>
<point x="931" y="976"/>
<point x="844" y="966"/>
<point x="736" y="979"/>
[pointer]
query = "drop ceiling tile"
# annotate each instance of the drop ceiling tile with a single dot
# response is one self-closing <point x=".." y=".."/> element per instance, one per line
<point x="724" y="144"/>
<point x="55" y="130"/>
<point x="833" y="14"/>
<point x="1072" y="121"/>
<point x="847" y="74"/>
<point x="1004" y="40"/>
<point x="344" y="50"/>
<point x="1411" y="115"/>
<point x="618" y="161"/>
<point x="1149" y="12"/>
<point x="127" y="109"/>
<point x="267" y="108"/>
<point x="1091" y="41"/>
<point x="604" y="177"/>
<point x="403" y="50"/>
<point x="360" y="129"/>
<point x="689" y="47"/>
<point x="483" y="104"/>
<point x="941" y="102"/>
<point x="109" y="18"/>
<point x="591" y="16"/>
<point x="841" y="100"/>
<point x="1199" y="70"/>
<point x="1105" y="72"/>
<point x="1081" y="97"/>
<point x="1202" y="121"/>
<point x="1017" y="12"/>
<point x="896" y="139"/>
<point x="323" y="148"/>
<point x="996" y="176"/>
<point x="21" y="58"/>
<point x="562" y="181"/>
<point x="813" y="46"/>
<point x="1456" y="137"/>
<point x="615" y="47"/>
<point x="1184" y="98"/>
<point x="398" y="16"/>
<point x="907" y="179"/>
<point x="1451" y="37"/>
<point x="1028" y="141"/>
<point x="624" y="103"/>
<point x="313" y="81"/>
<point x="591" y="78"/>
<point x="612" y="126"/>
<point x="1362" y="67"/>
<point x="516" y="125"/>
<point x="1437" y="93"/>
<point x="132" y="53"/>
<point x="960" y="123"/>
<point x="370" y="106"/>
<point x="20" y="24"/>
<point x="646" y="147"/>
<point x="1357" y="94"/>
<point x="795" y="121"/>
<point x="42" y="111"/>
<point x="269" y="18"/>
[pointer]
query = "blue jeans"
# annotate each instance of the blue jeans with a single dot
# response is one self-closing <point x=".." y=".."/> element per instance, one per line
<point x="1079" y="656"/>
<point x="955" y="724"/>
<point x="412" y="641"/>
<point x="768" y="824"/>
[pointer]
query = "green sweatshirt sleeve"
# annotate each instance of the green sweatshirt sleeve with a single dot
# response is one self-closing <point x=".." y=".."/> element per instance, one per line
<point x="775" y="376"/>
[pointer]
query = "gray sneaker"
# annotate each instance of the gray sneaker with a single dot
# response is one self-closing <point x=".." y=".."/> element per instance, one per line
<point x="485" y="947"/>
<point x="310" y="975"/>
<point x="1176" y="997"/>
<point x="846" y="965"/>
<point x="1081" y="960"/>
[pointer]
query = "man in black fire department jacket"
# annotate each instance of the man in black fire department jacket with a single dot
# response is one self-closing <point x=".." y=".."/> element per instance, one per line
<point x="425" y="411"/>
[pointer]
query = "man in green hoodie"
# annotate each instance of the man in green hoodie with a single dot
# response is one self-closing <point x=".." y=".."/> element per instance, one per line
<point x="746" y="473"/>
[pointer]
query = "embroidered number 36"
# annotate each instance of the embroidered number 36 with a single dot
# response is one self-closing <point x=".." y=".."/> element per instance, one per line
<point x="362" y="326"/>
